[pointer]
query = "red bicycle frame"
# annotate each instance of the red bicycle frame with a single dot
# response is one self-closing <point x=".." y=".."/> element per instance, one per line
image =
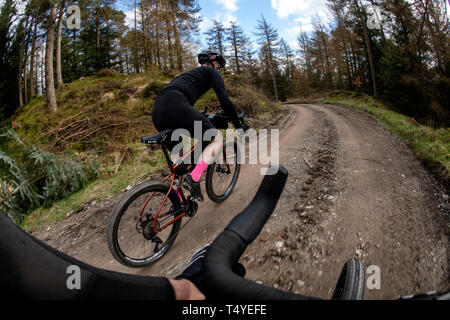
<point x="171" y="177"/>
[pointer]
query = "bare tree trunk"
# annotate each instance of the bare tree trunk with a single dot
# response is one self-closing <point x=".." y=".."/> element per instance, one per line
<point x="368" y="43"/>
<point x="322" y="64"/>
<point x="36" y="72"/>
<point x="304" y="44"/>
<point x="272" y="67"/>
<point x="327" y="60"/>
<point x="158" y="48"/>
<point x="136" y="51"/>
<point x="25" y="69"/>
<point x="126" y="61"/>
<point x="419" y="38"/>
<point x="20" y="77"/>
<point x="144" y="34"/>
<point x="25" y="82"/>
<point x="236" y="53"/>
<point x="348" y="65"/>
<point x="32" y="61"/>
<point x="353" y="56"/>
<point x="49" y="76"/>
<point x="59" y="78"/>
<point x="177" y="37"/>
<point x="371" y="61"/>
<point x="236" y="57"/>
<point x="169" y="38"/>
<point x="21" y="65"/>
<point x="42" y="72"/>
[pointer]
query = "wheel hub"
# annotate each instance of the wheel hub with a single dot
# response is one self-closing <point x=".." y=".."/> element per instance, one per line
<point x="145" y="226"/>
<point x="221" y="170"/>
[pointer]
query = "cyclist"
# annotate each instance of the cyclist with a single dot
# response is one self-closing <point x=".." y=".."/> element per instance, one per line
<point x="174" y="109"/>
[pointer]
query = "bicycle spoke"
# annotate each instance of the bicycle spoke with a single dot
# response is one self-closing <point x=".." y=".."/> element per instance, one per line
<point x="222" y="178"/>
<point x="136" y="237"/>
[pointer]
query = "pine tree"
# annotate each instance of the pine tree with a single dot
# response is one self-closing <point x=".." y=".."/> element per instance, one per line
<point x="49" y="55"/>
<point x="216" y="37"/>
<point x="8" y="60"/>
<point x="103" y="25"/>
<point x="238" y="44"/>
<point x="268" y="38"/>
<point x="287" y="56"/>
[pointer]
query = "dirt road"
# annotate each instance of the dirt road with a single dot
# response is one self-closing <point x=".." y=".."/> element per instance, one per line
<point x="354" y="190"/>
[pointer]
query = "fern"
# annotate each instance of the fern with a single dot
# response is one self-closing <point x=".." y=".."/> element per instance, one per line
<point x="31" y="177"/>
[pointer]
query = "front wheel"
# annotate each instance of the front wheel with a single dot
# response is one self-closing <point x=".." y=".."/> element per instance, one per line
<point x="221" y="176"/>
<point x="133" y="235"/>
<point x="350" y="285"/>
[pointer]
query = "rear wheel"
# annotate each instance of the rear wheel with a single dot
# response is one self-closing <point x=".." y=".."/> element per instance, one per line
<point x="131" y="234"/>
<point x="350" y="285"/>
<point x="221" y="176"/>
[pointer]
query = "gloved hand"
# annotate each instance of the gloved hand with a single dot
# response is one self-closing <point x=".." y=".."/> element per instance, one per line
<point x="245" y="127"/>
<point x="193" y="270"/>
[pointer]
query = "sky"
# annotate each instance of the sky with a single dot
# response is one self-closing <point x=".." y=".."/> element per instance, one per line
<point x="287" y="16"/>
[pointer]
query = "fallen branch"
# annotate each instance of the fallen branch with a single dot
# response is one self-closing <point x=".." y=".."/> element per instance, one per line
<point x="120" y="162"/>
<point x="105" y="127"/>
<point x="307" y="162"/>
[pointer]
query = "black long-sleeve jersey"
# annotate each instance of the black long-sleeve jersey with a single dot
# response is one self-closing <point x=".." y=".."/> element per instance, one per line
<point x="31" y="269"/>
<point x="194" y="83"/>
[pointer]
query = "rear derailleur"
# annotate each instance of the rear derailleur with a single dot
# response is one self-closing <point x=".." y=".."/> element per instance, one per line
<point x="145" y="225"/>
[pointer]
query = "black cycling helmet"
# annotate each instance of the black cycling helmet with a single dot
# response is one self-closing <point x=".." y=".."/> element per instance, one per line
<point x="210" y="56"/>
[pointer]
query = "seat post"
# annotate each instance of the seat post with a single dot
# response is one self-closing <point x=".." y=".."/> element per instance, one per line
<point x="166" y="154"/>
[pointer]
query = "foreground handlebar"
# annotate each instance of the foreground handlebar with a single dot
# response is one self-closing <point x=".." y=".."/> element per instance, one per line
<point x="220" y="282"/>
<point x="249" y="223"/>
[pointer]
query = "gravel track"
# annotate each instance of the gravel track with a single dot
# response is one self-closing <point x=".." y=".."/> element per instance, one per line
<point x="354" y="190"/>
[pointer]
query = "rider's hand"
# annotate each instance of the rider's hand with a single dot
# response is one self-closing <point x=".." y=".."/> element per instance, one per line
<point x="245" y="127"/>
<point x="193" y="270"/>
<point x="186" y="290"/>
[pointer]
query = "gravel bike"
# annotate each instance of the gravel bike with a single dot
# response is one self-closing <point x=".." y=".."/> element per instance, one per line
<point x="146" y="221"/>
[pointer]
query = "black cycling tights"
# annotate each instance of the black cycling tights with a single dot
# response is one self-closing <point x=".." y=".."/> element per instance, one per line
<point x="173" y="111"/>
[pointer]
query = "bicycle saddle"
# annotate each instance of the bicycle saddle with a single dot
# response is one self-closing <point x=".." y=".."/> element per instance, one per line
<point x="158" y="138"/>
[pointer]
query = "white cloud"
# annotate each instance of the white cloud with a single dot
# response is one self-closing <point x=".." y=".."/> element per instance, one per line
<point x="230" y="5"/>
<point x="300" y="14"/>
<point x="296" y="30"/>
<point x="129" y="18"/>
<point x="303" y="21"/>
<point x="226" y="18"/>
<point x="303" y="28"/>
<point x="300" y="8"/>
<point x="205" y="24"/>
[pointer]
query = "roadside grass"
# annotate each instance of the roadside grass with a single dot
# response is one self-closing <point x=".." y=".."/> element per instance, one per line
<point x="432" y="146"/>
<point x="141" y="165"/>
